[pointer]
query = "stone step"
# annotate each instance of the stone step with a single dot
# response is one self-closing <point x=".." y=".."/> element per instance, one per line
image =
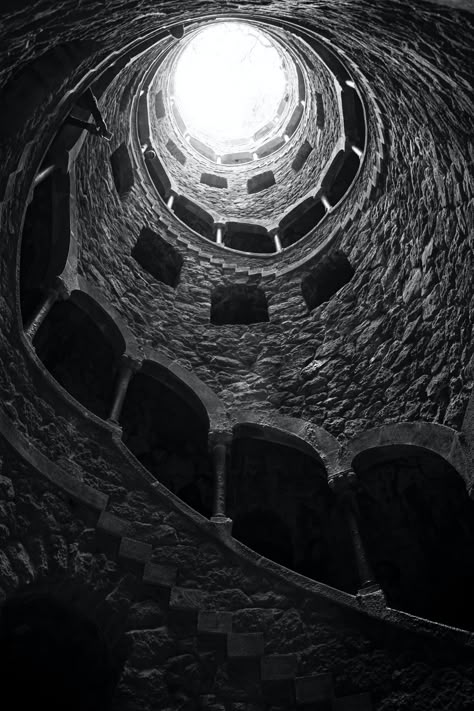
<point x="246" y="644"/>
<point x="187" y="599"/>
<point x="276" y="667"/>
<point x="163" y="576"/>
<point x="315" y="689"/>
<point x="354" y="702"/>
<point x="214" y="622"/>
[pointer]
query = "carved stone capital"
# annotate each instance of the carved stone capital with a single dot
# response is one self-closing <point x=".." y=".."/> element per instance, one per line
<point x="343" y="483"/>
<point x="61" y="289"/>
<point x="216" y="437"/>
<point x="131" y="362"/>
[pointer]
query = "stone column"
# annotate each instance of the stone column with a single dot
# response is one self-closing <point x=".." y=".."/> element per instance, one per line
<point x="343" y="485"/>
<point x="128" y="367"/>
<point x="219" y="443"/>
<point x="326" y="203"/>
<point x="43" y="174"/>
<point x="53" y="295"/>
<point x="219" y="234"/>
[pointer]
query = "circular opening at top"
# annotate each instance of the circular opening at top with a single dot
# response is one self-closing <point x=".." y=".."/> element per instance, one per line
<point x="229" y="82"/>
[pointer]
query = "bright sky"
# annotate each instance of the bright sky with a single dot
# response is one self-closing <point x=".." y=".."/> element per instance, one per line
<point x="229" y="82"/>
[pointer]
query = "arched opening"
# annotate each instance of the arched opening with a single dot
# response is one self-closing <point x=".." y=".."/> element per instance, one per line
<point x="283" y="508"/>
<point x="79" y="354"/>
<point x="169" y="437"/>
<point x="265" y="532"/>
<point x="418" y="524"/>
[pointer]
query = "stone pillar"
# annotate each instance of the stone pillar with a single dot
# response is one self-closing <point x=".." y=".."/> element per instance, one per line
<point x="277" y="241"/>
<point x="43" y="174"/>
<point x="127" y="368"/>
<point x="219" y="443"/>
<point x="343" y="485"/>
<point x="326" y="203"/>
<point x="53" y="295"/>
<point x="219" y="234"/>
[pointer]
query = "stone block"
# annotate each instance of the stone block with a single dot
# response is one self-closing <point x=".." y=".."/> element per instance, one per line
<point x="355" y="702"/>
<point x="278" y="666"/>
<point x="187" y="599"/>
<point x="214" y="622"/>
<point x="317" y="689"/>
<point x="112" y="525"/>
<point x="249" y="644"/>
<point x="160" y="575"/>
<point x="135" y="551"/>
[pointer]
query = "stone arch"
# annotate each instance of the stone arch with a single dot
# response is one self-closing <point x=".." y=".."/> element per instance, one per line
<point x="291" y="431"/>
<point x="165" y="419"/>
<point x="417" y="519"/>
<point x="80" y="344"/>
<point x="430" y="436"/>
<point x="188" y="386"/>
<point x="278" y="479"/>
<point x="92" y="301"/>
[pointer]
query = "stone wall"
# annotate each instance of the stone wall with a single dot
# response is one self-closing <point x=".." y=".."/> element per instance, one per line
<point x="179" y="655"/>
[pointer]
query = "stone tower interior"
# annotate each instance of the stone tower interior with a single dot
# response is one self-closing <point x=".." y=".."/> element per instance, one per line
<point x="236" y="355"/>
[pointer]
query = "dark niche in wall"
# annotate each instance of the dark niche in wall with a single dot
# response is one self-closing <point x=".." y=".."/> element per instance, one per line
<point x="283" y="508"/>
<point x="214" y="181"/>
<point x="248" y="238"/>
<point x="176" y="152"/>
<point x="319" y="111"/>
<point x="122" y="170"/>
<point x="238" y="304"/>
<point x="169" y="437"/>
<point x="270" y="146"/>
<point x="158" y="257"/>
<point x="160" y="111"/>
<point x="302" y="155"/>
<point x="262" y="181"/>
<point x="331" y="274"/>
<point x="79" y="355"/>
<point x="418" y="526"/>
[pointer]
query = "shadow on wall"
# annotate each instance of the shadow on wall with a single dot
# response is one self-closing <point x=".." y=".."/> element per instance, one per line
<point x="418" y="524"/>
<point x="54" y="657"/>
<point x="282" y="508"/>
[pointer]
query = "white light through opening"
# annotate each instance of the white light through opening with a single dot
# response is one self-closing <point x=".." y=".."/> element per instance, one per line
<point x="229" y="82"/>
